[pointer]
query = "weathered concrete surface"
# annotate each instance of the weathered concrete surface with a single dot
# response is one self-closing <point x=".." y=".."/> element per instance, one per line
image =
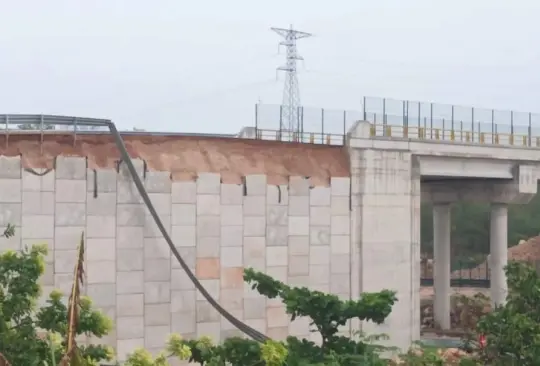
<point x="297" y="232"/>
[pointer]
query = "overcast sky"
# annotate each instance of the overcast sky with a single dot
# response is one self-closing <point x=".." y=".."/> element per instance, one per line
<point x="200" y="66"/>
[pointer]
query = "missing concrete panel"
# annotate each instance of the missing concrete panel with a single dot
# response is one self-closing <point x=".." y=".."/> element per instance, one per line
<point x="34" y="172"/>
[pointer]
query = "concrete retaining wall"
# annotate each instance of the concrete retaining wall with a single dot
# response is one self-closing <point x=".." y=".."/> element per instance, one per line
<point x="296" y="233"/>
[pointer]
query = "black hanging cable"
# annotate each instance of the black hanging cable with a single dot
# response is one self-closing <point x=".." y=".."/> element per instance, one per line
<point x="126" y="159"/>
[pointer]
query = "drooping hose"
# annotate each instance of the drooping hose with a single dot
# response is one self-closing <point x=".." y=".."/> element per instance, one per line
<point x="253" y="333"/>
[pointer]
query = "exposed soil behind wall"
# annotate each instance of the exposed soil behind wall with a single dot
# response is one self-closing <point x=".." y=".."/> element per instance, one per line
<point x="185" y="156"/>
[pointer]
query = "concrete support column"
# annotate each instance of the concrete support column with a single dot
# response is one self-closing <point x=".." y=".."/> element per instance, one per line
<point x="441" y="265"/>
<point x="498" y="237"/>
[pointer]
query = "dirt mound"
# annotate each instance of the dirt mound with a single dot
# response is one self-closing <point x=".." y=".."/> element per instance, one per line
<point x="525" y="251"/>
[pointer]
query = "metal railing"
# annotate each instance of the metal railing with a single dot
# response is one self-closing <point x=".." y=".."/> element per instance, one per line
<point x="315" y="125"/>
<point x="433" y="121"/>
<point x="454" y="135"/>
<point x="393" y="118"/>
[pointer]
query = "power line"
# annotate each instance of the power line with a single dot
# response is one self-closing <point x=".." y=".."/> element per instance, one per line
<point x="291" y="93"/>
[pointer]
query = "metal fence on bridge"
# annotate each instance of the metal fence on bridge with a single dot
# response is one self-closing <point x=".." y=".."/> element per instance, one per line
<point x="316" y="125"/>
<point x="403" y="119"/>
<point x="425" y="120"/>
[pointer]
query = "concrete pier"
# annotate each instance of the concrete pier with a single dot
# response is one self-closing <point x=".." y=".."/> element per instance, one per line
<point x="498" y="252"/>
<point x="441" y="265"/>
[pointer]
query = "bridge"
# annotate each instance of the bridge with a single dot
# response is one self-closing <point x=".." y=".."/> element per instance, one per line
<point x="396" y="163"/>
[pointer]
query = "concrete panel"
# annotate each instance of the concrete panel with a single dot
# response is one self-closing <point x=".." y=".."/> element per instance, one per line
<point x="101" y="180"/>
<point x="254" y="226"/>
<point x="71" y="190"/>
<point x="100" y="249"/>
<point x="208" y="205"/>
<point x="70" y="214"/>
<point x="298" y="225"/>
<point x="208" y="183"/>
<point x="184" y="214"/>
<point x="277" y="195"/>
<point x="31" y="180"/>
<point x="101" y="226"/>
<point x="10" y="190"/>
<point x="232" y="194"/>
<point x="254" y="206"/>
<point x="320" y="196"/>
<point x="157" y="292"/>
<point x="184" y="192"/>
<point x="131" y="282"/>
<point x="256" y="185"/>
<point x="299" y="206"/>
<point x="70" y="167"/>
<point x="10" y="167"/>
<point x="10" y="213"/>
<point x="37" y="226"/>
<point x="158" y="182"/>
<point x="232" y="236"/>
<point x="102" y="205"/>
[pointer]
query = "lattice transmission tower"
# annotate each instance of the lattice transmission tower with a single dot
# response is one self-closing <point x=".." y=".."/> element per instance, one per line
<point x="290" y="119"/>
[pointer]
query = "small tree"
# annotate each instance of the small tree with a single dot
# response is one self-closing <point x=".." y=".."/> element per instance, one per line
<point x="327" y="312"/>
<point x="513" y="331"/>
<point x="36" y="336"/>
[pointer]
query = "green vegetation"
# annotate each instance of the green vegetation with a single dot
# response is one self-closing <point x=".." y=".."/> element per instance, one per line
<point x="32" y="336"/>
<point x="470" y="227"/>
<point x="43" y="336"/>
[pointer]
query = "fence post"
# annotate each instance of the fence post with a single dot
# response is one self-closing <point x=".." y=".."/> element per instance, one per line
<point x="322" y="124"/>
<point x="364" y="107"/>
<point x="530" y="129"/>
<point x="302" y="121"/>
<point x="419" y="113"/>
<point x="431" y="120"/>
<point x="256" y="120"/>
<point x="452" y="117"/>
<point x="493" y="131"/>
<point x="384" y="112"/>
<point x="472" y="123"/>
<point x="407" y="119"/>
<point x="41" y="127"/>
<point x="511" y="122"/>
<point x="344" y="126"/>
<point x="280" y="122"/>
<point x="403" y="113"/>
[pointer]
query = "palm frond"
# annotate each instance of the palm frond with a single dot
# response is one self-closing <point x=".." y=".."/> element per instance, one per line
<point x="74" y="299"/>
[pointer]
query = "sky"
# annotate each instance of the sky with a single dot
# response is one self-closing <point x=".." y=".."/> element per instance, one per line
<point x="201" y="66"/>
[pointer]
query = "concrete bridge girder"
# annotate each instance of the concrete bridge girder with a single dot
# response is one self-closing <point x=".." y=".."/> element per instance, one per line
<point x="390" y="177"/>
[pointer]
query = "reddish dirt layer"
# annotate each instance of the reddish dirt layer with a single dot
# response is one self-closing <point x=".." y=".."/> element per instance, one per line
<point x="525" y="251"/>
<point x="185" y="156"/>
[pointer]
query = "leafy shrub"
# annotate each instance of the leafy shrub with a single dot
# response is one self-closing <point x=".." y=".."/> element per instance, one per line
<point x="513" y="331"/>
<point x="327" y="313"/>
<point x="32" y="336"/>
